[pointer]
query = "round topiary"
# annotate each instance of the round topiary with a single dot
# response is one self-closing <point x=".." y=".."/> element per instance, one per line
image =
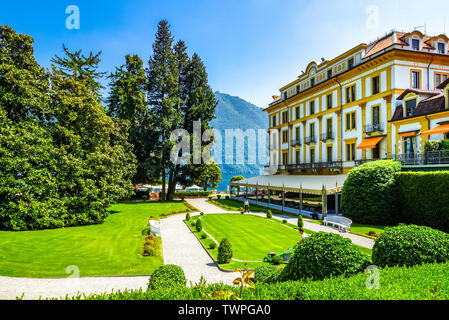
<point x="300" y="222"/>
<point x="167" y="276"/>
<point x="269" y="214"/>
<point x="224" y="251"/>
<point x="408" y="245"/>
<point x="203" y="236"/>
<point x="284" y="221"/>
<point x="187" y="216"/>
<point x="202" y="213"/>
<point x="369" y="194"/>
<point x="266" y="274"/>
<point x="198" y="225"/>
<point x="322" y="255"/>
<point x="212" y="245"/>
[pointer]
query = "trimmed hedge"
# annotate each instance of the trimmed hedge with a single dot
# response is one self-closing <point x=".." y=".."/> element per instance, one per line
<point x="322" y="255"/>
<point x="408" y="245"/>
<point x="423" y="198"/>
<point x="266" y="274"/>
<point x="180" y="194"/>
<point x="425" y="282"/>
<point x="369" y="193"/>
<point x="167" y="276"/>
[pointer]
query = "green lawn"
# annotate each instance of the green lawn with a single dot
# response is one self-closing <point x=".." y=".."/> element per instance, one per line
<point x="111" y="248"/>
<point x="236" y="205"/>
<point x="362" y="229"/>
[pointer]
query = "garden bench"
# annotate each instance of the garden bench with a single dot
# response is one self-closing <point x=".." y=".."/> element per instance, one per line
<point x="342" y="223"/>
<point x="155" y="227"/>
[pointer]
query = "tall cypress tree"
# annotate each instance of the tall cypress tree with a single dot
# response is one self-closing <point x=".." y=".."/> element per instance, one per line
<point x="163" y="97"/>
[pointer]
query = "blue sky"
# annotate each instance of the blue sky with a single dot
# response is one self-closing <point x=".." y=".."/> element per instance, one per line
<point x="250" y="47"/>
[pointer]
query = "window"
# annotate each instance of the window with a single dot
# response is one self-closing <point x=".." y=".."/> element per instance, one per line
<point x="410" y="106"/>
<point x="312" y="155"/>
<point x="329" y="154"/>
<point x="274" y="121"/>
<point x="416" y="79"/>
<point x="350" y="94"/>
<point x="312" y="82"/>
<point x="350" y="63"/>
<point x="312" y="107"/>
<point x="350" y="151"/>
<point x="329" y="127"/>
<point x="439" y="78"/>
<point x="409" y="145"/>
<point x="297" y="156"/>
<point x="350" y="121"/>
<point x="285" y="158"/>
<point x="297" y="113"/>
<point x="415" y="44"/>
<point x="285" y="136"/>
<point x="329" y="101"/>
<point x="297" y="133"/>
<point x="375" y="85"/>
<point x="312" y="129"/>
<point x="285" y="117"/>
<point x="376" y="115"/>
<point x="329" y="73"/>
<point x="441" y="48"/>
<point x="298" y="89"/>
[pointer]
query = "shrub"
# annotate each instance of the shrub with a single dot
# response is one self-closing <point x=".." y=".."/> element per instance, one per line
<point x="277" y="260"/>
<point x="183" y="194"/>
<point x="408" y="245"/>
<point x="212" y="245"/>
<point x="193" y="223"/>
<point x="300" y="222"/>
<point x="167" y="276"/>
<point x="224" y="251"/>
<point x="242" y="210"/>
<point x="422" y="198"/>
<point x="203" y="236"/>
<point x="202" y="213"/>
<point x="369" y="193"/>
<point x="269" y="214"/>
<point x="218" y="196"/>
<point x="148" y="251"/>
<point x="187" y="216"/>
<point x="266" y="274"/>
<point x="322" y="255"/>
<point x="284" y="221"/>
<point x="198" y="225"/>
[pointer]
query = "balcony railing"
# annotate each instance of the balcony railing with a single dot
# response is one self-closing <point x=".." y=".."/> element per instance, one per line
<point x="331" y="165"/>
<point x="295" y="142"/>
<point x="327" y="136"/>
<point x="310" y="139"/>
<point x="427" y="158"/>
<point x="375" y="127"/>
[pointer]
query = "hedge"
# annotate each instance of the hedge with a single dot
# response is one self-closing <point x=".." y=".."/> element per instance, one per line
<point x="425" y="282"/>
<point x="408" y="245"/>
<point x="180" y="194"/>
<point x="167" y="276"/>
<point x="322" y="255"/>
<point x="423" y="198"/>
<point x="369" y="193"/>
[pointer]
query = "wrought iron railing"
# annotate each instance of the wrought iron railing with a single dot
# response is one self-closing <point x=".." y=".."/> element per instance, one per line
<point x="426" y="158"/>
<point x="295" y="142"/>
<point x="374" y="127"/>
<point x="310" y="139"/>
<point x="327" y="136"/>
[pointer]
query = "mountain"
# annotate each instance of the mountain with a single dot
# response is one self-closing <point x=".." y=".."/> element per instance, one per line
<point x="235" y="113"/>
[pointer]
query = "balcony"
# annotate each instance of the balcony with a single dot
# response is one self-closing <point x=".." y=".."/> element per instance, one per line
<point x="376" y="127"/>
<point x="327" y="136"/>
<point x="310" y="139"/>
<point x="295" y="142"/>
<point x="422" y="159"/>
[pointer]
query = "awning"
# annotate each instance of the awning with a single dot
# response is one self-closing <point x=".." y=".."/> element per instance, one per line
<point x="407" y="134"/>
<point x="443" y="128"/>
<point x="369" y="143"/>
<point x="310" y="183"/>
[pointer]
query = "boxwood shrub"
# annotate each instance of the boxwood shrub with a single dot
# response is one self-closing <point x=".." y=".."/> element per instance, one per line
<point x="167" y="276"/>
<point x="322" y="255"/>
<point x="224" y="251"/>
<point x="408" y="245"/>
<point x="422" y="198"/>
<point x="369" y="193"/>
<point x="266" y="274"/>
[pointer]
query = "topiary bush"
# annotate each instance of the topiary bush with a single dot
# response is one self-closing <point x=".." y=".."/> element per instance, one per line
<point x="284" y="221"/>
<point x="198" y="225"/>
<point x="408" y="245"/>
<point x="203" y="236"/>
<point x="322" y="255"/>
<point x="167" y="276"/>
<point x="276" y="260"/>
<point x="300" y="222"/>
<point x="212" y="245"/>
<point x="269" y="214"/>
<point x="187" y="216"/>
<point x="266" y="274"/>
<point x="224" y="251"/>
<point x="202" y="213"/>
<point x="369" y="193"/>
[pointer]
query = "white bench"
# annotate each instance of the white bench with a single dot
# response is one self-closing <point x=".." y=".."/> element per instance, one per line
<point x="155" y="227"/>
<point x="342" y="223"/>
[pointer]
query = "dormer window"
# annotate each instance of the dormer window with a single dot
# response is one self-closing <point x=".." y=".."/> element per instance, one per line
<point x="441" y="48"/>
<point x="312" y="82"/>
<point x="350" y="63"/>
<point x="415" y="44"/>
<point x="298" y="89"/>
<point x="329" y="73"/>
<point x="410" y="106"/>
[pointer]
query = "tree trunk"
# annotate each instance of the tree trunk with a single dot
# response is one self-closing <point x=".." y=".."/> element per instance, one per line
<point x="163" y="184"/>
<point x="171" y="186"/>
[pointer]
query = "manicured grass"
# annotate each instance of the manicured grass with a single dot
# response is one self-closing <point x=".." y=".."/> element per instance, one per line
<point x="362" y="229"/>
<point x="236" y="205"/>
<point x="111" y="248"/>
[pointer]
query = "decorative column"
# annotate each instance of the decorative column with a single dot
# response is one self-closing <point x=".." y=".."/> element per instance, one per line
<point x="389" y="135"/>
<point x="324" y="201"/>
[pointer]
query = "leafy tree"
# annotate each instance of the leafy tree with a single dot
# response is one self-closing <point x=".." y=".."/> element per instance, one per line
<point x="237" y="178"/>
<point x="209" y="175"/>
<point x="300" y="222"/>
